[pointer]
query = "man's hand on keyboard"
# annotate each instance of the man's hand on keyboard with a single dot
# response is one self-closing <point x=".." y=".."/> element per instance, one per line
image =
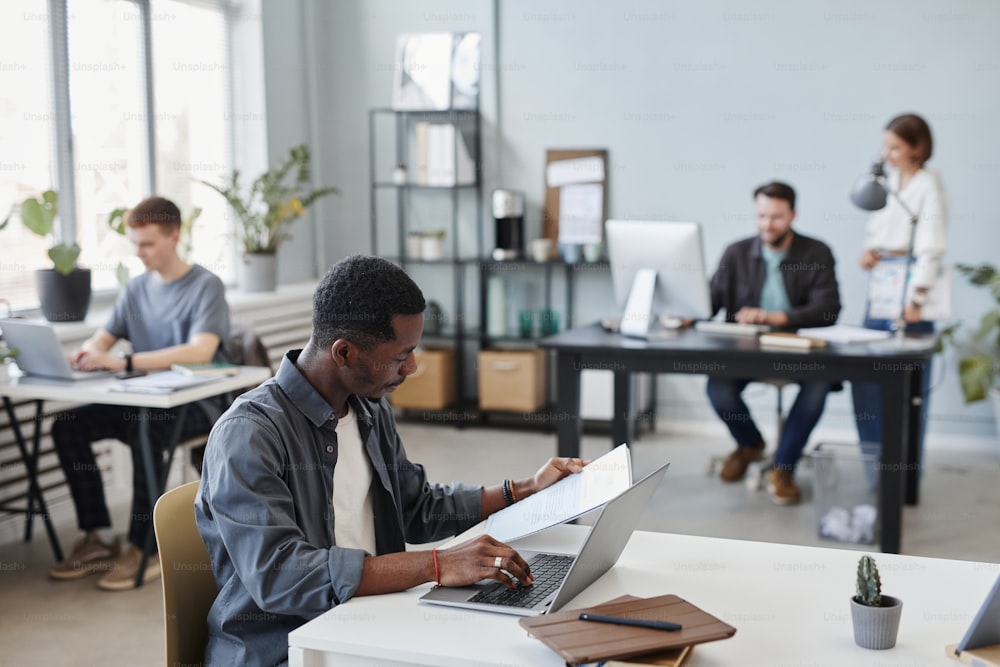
<point x="476" y="559"/>
<point x="760" y="316"/>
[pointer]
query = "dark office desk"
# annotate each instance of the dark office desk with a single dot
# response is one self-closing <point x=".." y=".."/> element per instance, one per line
<point x="897" y="371"/>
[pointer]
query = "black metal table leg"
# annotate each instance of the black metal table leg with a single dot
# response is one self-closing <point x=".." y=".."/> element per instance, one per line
<point x="34" y="496"/>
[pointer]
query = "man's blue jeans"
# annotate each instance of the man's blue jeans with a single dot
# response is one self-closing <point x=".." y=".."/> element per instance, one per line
<point x="868" y="399"/>
<point x="727" y="398"/>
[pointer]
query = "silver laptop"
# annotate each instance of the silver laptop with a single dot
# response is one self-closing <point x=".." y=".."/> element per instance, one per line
<point x="560" y="577"/>
<point x="39" y="351"/>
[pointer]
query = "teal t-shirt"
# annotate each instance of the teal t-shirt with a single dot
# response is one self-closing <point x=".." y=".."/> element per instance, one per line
<point x="773" y="296"/>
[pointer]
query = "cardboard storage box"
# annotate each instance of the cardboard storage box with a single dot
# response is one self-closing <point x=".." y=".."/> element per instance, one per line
<point x="512" y="380"/>
<point x="432" y="386"/>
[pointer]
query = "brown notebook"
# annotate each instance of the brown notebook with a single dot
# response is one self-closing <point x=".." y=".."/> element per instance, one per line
<point x="670" y="658"/>
<point x="785" y="339"/>
<point x="984" y="656"/>
<point x="580" y="642"/>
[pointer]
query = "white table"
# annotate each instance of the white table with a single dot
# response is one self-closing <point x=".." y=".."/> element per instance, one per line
<point x="790" y="605"/>
<point x="100" y="391"/>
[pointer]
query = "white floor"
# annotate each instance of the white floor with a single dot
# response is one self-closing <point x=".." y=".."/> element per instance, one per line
<point x="43" y="622"/>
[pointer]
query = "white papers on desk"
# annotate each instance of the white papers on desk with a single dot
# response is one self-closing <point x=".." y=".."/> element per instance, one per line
<point x="885" y="289"/>
<point x="842" y="333"/>
<point x="165" y="382"/>
<point x="581" y="209"/>
<point x="569" y="498"/>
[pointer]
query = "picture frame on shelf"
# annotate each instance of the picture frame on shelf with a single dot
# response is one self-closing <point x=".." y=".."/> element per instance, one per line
<point x="436" y="71"/>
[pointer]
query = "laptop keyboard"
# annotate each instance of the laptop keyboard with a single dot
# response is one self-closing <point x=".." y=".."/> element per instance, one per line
<point x="549" y="571"/>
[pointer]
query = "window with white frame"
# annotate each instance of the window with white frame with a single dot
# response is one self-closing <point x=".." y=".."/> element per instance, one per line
<point x="26" y="139"/>
<point x="151" y="111"/>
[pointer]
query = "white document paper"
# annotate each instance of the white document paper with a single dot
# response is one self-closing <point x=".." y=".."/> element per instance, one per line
<point x="581" y="209"/>
<point x="885" y="289"/>
<point x="165" y="382"/>
<point x="577" y="170"/>
<point x="569" y="498"/>
<point x="842" y="333"/>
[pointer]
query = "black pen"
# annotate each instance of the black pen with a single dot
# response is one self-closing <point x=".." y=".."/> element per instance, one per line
<point x="637" y="622"/>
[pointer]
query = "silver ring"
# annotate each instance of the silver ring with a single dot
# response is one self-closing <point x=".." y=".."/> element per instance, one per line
<point x="497" y="562"/>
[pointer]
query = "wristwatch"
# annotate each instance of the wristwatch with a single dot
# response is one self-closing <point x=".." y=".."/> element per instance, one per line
<point x="919" y="298"/>
<point x="128" y="362"/>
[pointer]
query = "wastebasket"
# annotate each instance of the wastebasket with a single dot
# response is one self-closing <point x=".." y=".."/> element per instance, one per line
<point x="846" y="492"/>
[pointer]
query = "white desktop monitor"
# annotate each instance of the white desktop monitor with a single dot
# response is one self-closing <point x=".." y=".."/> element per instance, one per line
<point x="658" y="268"/>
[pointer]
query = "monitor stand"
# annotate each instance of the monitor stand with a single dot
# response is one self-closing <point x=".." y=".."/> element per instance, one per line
<point x="638" y="312"/>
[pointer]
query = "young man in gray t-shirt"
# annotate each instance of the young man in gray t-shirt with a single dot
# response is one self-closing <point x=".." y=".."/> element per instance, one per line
<point x="175" y="312"/>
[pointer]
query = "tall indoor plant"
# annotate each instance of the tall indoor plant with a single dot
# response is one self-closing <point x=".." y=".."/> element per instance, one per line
<point x="979" y="354"/>
<point x="267" y="210"/>
<point x="64" y="290"/>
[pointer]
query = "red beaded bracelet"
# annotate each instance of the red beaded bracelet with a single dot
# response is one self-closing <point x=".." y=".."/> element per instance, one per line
<point x="437" y="572"/>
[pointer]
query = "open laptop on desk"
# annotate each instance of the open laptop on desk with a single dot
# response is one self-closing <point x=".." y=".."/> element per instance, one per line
<point x="40" y="353"/>
<point x="561" y="577"/>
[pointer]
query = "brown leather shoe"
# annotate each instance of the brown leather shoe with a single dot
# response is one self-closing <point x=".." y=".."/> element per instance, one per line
<point x="89" y="556"/>
<point x="781" y="487"/>
<point x="735" y="465"/>
<point x="121" y="576"/>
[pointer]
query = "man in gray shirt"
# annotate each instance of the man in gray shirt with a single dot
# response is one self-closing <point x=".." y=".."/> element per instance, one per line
<point x="175" y="312"/>
<point x="307" y="496"/>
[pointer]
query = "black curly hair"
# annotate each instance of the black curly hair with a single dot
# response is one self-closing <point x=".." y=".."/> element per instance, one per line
<point x="357" y="299"/>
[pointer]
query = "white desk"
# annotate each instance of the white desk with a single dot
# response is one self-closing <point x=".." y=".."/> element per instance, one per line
<point x="99" y="391"/>
<point x="790" y="605"/>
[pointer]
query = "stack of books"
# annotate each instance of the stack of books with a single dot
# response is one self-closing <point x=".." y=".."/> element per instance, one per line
<point x="442" y="158"/>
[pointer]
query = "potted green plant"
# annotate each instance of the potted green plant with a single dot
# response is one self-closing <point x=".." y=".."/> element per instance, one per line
<point x="266" y="212"/>
<point x="64" y="290"/>
<point x="979" y="354"/>
<point x="7" y="355"/>
<point x="432" y="245"/>
<point x="875" y="616"/>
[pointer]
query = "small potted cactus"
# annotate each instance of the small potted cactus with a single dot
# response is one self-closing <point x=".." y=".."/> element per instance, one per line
<point x="875" y="616"/>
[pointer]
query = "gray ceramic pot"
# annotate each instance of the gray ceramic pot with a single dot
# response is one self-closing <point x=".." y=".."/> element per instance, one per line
<point x="876" y="627"/>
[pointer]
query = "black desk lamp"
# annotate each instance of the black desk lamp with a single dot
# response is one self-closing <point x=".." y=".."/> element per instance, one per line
<point x="871" y="193"/>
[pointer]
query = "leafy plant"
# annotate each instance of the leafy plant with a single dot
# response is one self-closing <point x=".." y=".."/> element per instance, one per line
<point x="979" y="360"/>
<point x="869" y="585"/>
<point x="7" y="352"/>
<point x="275" y="199"/>
<point x="38" y="214"/>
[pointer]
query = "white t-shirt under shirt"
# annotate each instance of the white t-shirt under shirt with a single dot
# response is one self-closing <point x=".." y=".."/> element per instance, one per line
<point x="354" y="518"/>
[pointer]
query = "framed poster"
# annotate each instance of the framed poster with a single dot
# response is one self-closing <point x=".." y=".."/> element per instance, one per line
<point x="436" y="71"/>
<point x="576" y="186"/>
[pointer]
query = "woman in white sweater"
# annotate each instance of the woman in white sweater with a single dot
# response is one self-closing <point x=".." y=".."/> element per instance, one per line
<point x="908" y="145"/>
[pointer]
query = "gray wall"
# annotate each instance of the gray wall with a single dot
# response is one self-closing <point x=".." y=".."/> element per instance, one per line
<point x="696" y="102"/>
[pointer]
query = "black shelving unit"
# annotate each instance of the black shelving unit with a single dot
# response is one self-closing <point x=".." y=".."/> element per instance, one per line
<point x="467" y="123"/>
<point x="466" y="335"/>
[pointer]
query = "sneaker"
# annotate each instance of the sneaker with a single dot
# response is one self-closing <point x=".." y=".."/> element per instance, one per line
<point x="735" y="465"/>
<point x="121" y="576"/>
<point x="781" y="487"/>
<point x="90" y="555"/>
